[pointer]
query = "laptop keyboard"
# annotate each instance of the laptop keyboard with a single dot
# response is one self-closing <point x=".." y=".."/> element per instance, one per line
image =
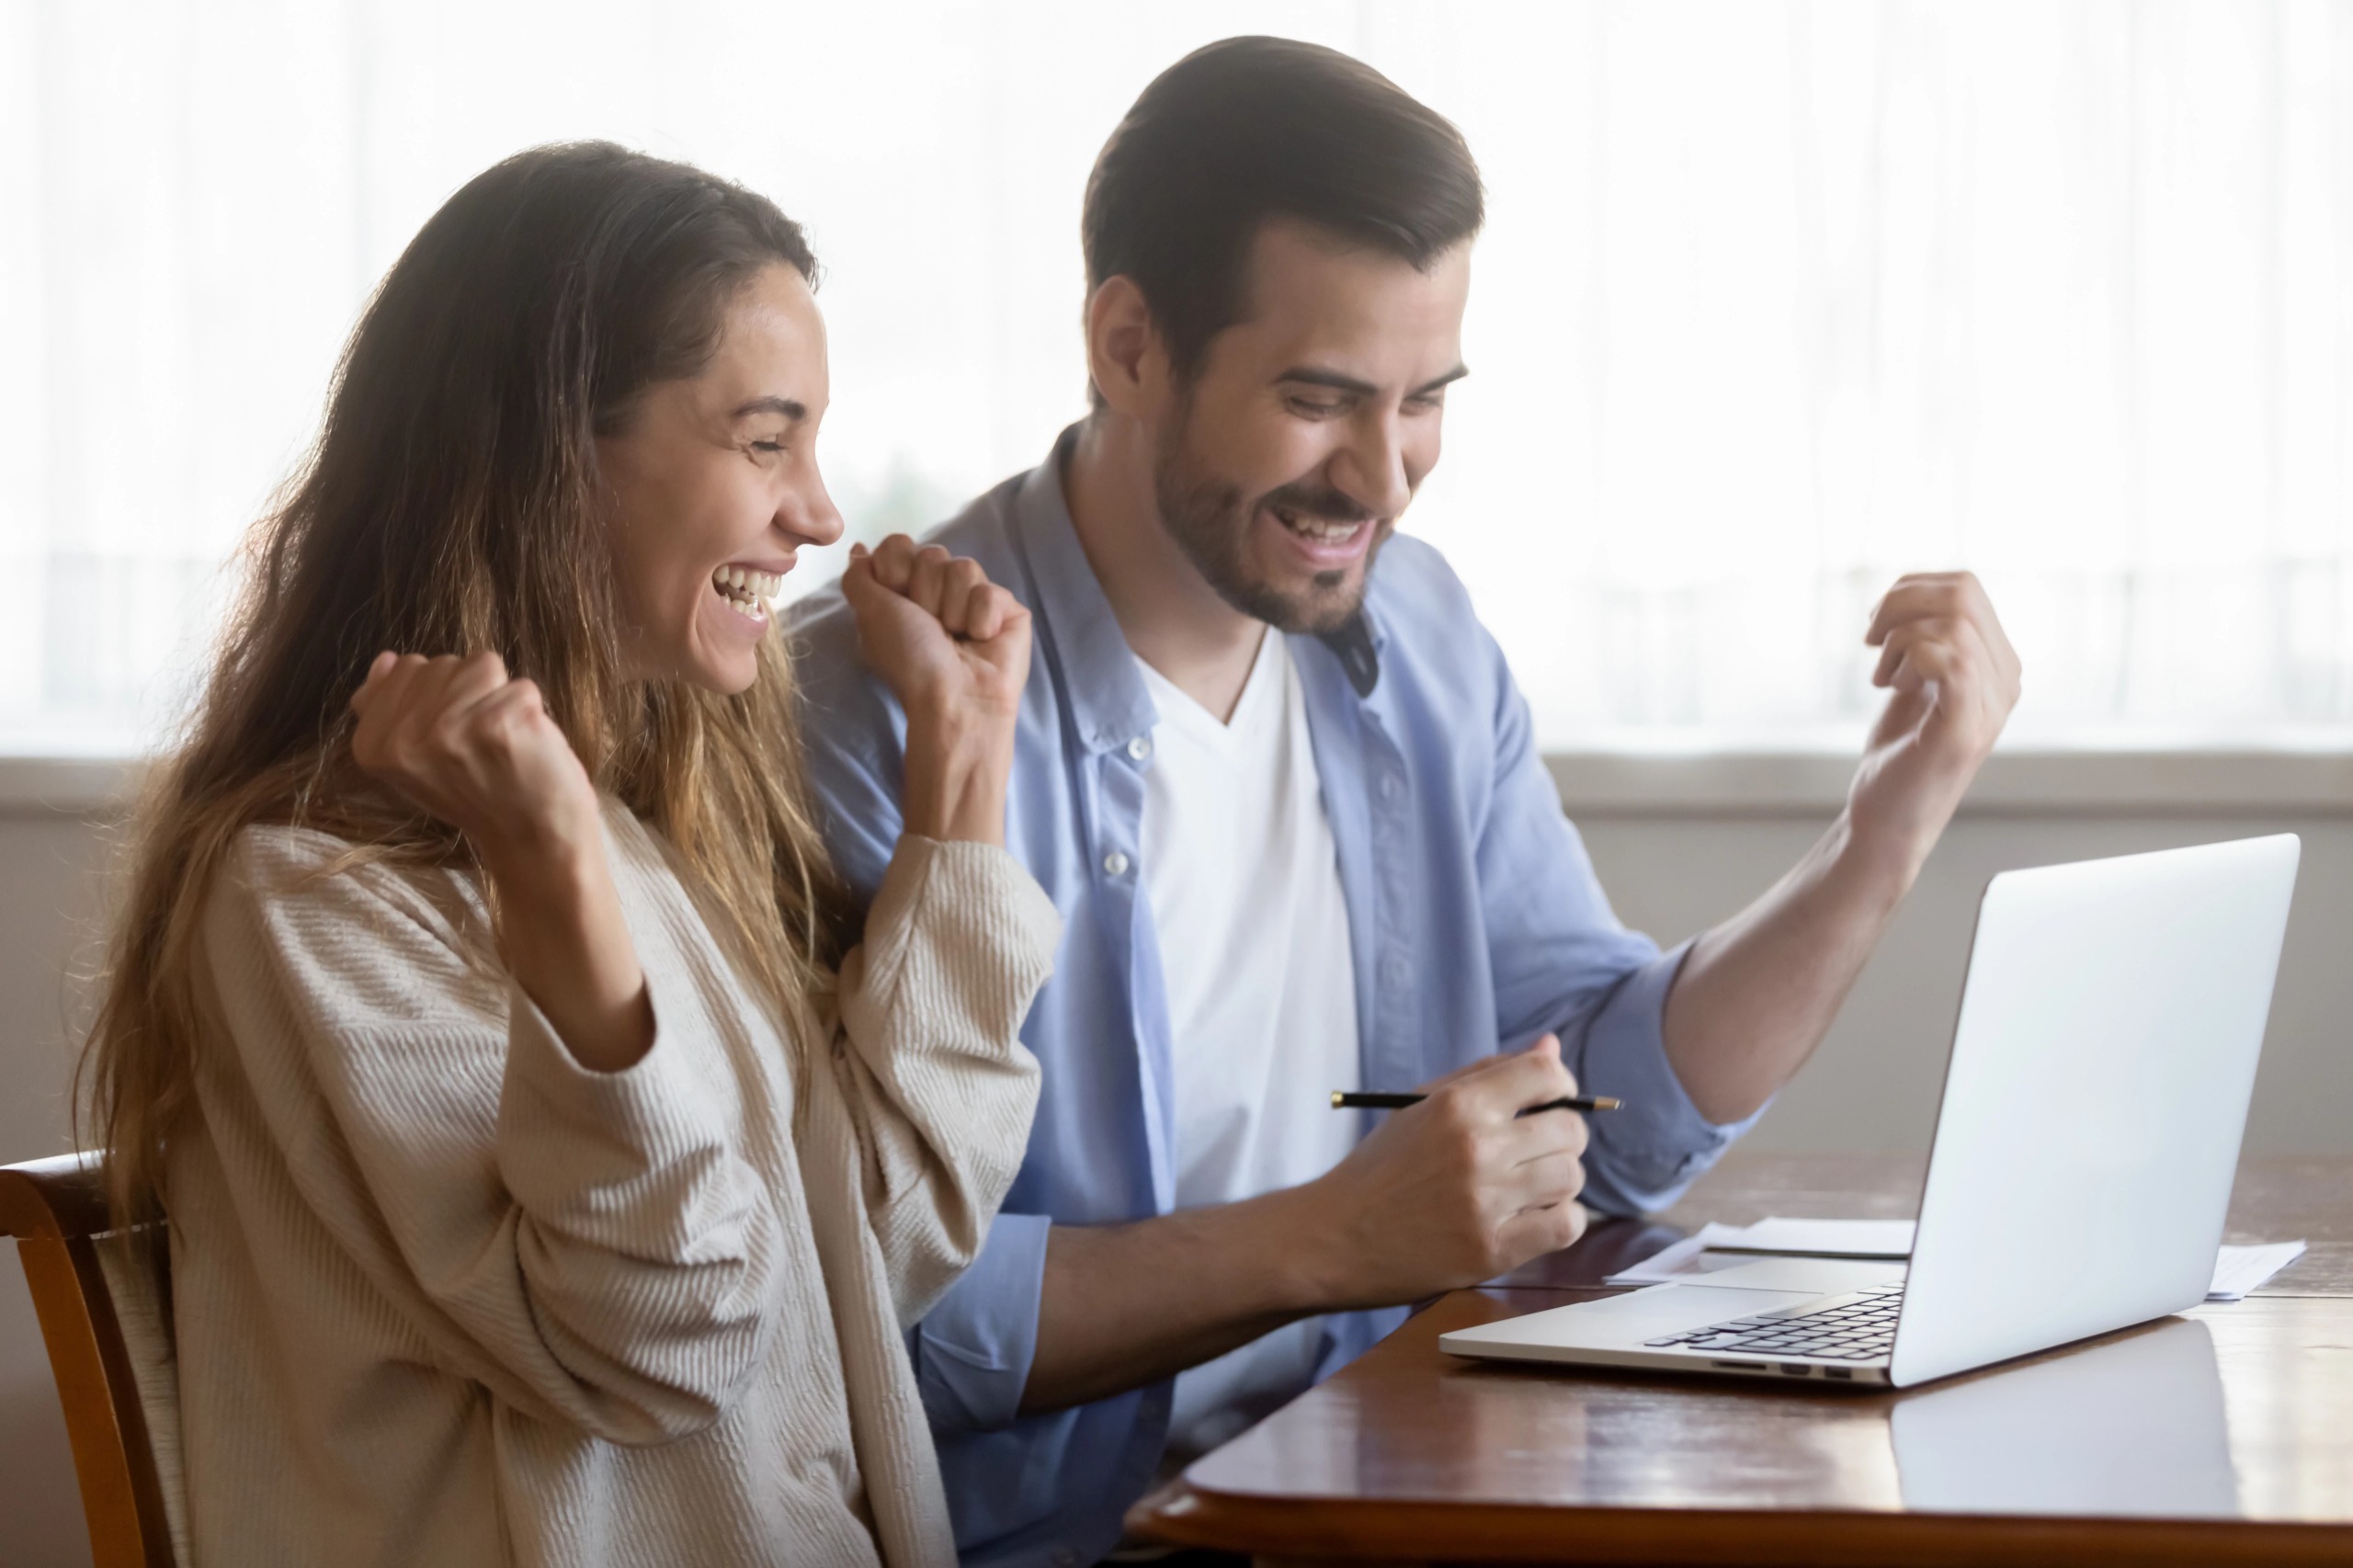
<point x="1859" y="1328"/>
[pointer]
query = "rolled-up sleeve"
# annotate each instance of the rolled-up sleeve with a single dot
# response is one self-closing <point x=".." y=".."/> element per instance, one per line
<point x="974" y="1350"/>
<point x="1646" y="1152"/>
<point x="1563" y="962"/>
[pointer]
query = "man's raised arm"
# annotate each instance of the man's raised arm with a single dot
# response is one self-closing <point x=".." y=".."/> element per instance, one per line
<point x="1756" y="994"/>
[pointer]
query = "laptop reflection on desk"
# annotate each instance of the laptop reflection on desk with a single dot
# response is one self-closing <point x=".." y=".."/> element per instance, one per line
<point x="2093" y="1103"/>
<point x="2131" y="1429"/>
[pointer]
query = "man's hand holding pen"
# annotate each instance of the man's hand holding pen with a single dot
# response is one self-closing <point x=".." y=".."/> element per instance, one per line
<point x="1457" y="1188"/>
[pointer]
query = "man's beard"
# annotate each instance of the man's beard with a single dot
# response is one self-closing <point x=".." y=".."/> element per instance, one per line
<point x="1209" y="520"/>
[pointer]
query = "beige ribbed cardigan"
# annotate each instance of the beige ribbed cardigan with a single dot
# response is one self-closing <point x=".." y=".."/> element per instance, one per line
<point x="442" y="1296"/>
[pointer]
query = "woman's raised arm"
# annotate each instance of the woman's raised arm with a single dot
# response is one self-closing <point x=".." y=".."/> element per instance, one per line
<point x="955" y="649"/>
<point x="478" y="750"/>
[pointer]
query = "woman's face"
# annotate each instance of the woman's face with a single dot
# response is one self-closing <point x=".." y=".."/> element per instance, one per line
<point x="716" y="487"/>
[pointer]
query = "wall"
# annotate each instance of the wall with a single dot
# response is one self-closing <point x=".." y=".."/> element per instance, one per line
<point x="49" y="885"/>
<point x="1679" y="842"/>
<point x="1874" y="1082"/>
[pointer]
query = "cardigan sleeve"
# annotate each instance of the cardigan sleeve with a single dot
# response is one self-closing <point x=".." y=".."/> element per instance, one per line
<point x="592" y="1247"/>
<point x="929" y="1056"/>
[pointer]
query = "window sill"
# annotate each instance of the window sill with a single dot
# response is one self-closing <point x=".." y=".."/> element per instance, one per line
<point x="2188" y="781"/>
<point x="91" y="787"/>
<point x="1757" y="781"/>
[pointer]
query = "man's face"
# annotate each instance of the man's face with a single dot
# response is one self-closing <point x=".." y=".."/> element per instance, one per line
<point x="1311" y="422"/>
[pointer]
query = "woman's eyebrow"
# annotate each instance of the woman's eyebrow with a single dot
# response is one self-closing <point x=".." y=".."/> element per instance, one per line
<point x="784" y="405"/>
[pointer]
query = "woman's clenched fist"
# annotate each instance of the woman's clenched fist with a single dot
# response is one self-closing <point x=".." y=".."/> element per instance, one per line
<point x="463" y="741"/>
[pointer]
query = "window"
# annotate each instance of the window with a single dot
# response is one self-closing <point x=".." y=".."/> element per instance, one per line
<point x="1776" y="302"/>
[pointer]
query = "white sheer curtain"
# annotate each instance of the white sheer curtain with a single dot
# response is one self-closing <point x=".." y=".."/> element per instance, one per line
<point x="2061" y="293"/>
<point x="1776" y="302"/>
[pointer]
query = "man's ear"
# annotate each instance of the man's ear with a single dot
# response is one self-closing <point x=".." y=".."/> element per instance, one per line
<point x="1123" y="351"/>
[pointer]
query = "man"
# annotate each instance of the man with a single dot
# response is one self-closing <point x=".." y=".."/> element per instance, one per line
<point x="1322" y="858"/>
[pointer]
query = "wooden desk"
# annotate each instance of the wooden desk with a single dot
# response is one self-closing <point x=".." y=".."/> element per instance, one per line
<point x="2240" y="1453"/>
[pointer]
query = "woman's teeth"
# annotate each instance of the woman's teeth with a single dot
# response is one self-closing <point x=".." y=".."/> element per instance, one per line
<point x="1317" y="528"/>
<point x="748" y="590"/>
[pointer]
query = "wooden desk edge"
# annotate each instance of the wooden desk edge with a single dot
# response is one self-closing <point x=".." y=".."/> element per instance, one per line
<point x="2278" y="1196"/>
<point x="1366" y="1531"/>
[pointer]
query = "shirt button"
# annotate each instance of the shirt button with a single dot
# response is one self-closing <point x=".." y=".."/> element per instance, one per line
<point x="1116" y="863"/>
<point x="1140" y="747"/>
<point x="1389" y="786"/>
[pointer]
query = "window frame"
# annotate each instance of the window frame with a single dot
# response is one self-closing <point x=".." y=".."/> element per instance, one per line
<point x="1749" y="782"/>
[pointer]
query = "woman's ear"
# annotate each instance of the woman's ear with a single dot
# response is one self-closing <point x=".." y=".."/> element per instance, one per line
<point x="1123" y="351"/>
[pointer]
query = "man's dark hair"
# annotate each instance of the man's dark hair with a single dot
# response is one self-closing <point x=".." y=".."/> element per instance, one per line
<point x="1249" y="128"/>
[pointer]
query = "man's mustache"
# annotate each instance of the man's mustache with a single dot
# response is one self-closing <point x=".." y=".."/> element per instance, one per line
<point x="1329" y="506"/>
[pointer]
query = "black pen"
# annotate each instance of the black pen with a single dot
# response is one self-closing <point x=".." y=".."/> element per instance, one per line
<point x="1343" y="1100"/>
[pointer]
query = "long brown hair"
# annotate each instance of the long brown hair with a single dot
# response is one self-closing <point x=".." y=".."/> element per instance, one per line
<point x="453" y="502"/>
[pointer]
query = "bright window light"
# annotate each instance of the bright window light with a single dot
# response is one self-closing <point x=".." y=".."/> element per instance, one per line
<point x="1775" y="302"/>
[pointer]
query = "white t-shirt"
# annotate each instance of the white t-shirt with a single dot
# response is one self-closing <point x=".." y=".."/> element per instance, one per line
<point x="1244" y="888"/>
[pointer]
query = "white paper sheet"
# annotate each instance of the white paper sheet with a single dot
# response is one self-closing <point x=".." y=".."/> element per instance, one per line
<point x="1821" y="1238"/>
<point x="1808" y="1276"/>
<point x="1719" y="1248"/>
<point x="2240" y="1269"/>
<point x="1684" y="1260"/>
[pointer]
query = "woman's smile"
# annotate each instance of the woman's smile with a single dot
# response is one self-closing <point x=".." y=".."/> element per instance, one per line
<point x="749" y="591"/>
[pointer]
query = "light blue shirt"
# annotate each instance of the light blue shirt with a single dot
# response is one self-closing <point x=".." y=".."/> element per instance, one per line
<point x="1476" y="924"/>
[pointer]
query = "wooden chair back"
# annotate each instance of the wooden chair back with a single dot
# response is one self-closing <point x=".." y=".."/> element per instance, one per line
<point x="74" y="1263"/>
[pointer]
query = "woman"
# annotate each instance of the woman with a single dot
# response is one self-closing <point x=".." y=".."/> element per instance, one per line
<point x="547" y="1184"/>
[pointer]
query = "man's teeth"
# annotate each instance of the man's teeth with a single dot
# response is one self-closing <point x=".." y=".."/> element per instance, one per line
<point x="1317" y="528"/>
<point x="746" y="589"/>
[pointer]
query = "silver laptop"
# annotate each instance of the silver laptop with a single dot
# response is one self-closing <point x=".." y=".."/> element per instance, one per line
<point x="2093" y="1107"/>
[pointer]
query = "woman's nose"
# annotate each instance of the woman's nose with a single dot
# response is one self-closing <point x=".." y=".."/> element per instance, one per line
<point x="811" y="514"/>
